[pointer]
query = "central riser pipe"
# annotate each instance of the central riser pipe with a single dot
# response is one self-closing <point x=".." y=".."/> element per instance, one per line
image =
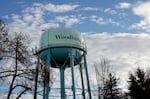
<point x="72" y="72"/>
<point x="62" y="82"/>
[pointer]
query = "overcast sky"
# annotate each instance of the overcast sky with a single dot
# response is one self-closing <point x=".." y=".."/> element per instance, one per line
<point x="116" y="29"/>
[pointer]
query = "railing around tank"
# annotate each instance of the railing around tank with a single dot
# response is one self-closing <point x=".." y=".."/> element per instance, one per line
<point x="82" y="47"/>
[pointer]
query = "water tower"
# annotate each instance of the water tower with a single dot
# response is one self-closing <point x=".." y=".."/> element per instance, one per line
<point x="63" y="48"/>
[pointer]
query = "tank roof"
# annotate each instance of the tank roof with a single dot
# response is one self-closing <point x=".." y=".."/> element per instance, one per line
<point x="61" y="37"/>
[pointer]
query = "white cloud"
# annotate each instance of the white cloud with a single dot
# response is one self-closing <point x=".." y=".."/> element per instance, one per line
<point x="123" y="5"/>
<point x="112" y="12"/>
<point x="33" y="24"/>
<point x="15" y="17"/>
<point x="93" y="17"/>
<point x="68" y="20"/>
<point x="36" y="8"/>
<point x="142" y="9"/>
<point x="39" y="8"/>
<point x="6" y="17"/>
<point x="28" y="18"/>
<point x="21" y="2"/>
<point x="113" y="22"/>
<point x="34" y="18"/>
<point x="102" y="21"/>
<point x="124" y="50"/>
<point x="109" y="10"/>
<point x="60" y="8"/>
<point x="98" y="20"/>
<point x="48" y="25"/>
<point x="90" y="9"/>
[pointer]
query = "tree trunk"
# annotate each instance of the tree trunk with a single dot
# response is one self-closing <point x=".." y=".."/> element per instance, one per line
<point x="99" y="93"/>
<point x="22" y="93"/>
<point x="15" y="74"/>
<point x="36" y="79"/>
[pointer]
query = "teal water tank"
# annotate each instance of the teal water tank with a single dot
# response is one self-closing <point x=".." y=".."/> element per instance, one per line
<point x="60" y="41"/>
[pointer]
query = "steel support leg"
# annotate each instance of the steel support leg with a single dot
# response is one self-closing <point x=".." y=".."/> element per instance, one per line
<point x="72" y="73"/>
<point x="87" y="77"/>
<point x="49" y="65"/>
<point x="62" y="82"/>
<point x="83" y="89"/>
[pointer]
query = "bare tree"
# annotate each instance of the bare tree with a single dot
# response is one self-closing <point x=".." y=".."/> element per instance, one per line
<point x="20" y="74"/>
<point x="43" y="77"/>
<point x="48" y="78"/>
<point x="102" y="71"/>
<point x="3" y="39"/>
<point x="19" y="51"/>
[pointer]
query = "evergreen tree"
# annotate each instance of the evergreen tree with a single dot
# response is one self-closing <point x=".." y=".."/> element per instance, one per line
<point x="139" y="85"/>
<point x="111" y="89"/>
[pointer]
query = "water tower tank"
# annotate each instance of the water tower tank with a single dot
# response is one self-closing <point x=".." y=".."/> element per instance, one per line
<point x="59" y="41"/>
